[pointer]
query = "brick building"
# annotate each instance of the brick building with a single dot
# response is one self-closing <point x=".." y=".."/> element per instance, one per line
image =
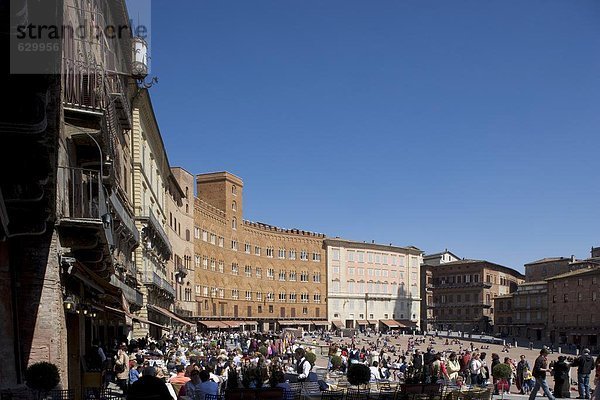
<point x="463" y="293"/>
<point x="372" y="285"/>
<point x="67" y="231"/>
<point x="253" y="274"/>
<point x="573" y="312"/>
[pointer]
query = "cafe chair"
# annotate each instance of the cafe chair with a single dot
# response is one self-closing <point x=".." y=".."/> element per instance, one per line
<point x="357" y="394"/>
<point x="332" y="395"/>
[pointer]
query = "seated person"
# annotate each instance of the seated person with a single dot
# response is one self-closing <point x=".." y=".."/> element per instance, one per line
<point x="149" y="387"/>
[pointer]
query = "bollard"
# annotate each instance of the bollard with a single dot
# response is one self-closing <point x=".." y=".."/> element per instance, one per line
<point x="559" y="350"/>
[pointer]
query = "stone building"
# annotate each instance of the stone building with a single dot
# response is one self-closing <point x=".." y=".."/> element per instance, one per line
<point x="573" y="312"/>
<point x="463" y="293"/>
<point x="180" y="232"/>
<point x="253" y="274"/>
<point x="153" y="183"/>
<point x="372" y="285"/>
<point x="429" y="262"/>
<point x="523" y="313"/>
<point x="67" y="224"/>
<point x="539" y="270"/>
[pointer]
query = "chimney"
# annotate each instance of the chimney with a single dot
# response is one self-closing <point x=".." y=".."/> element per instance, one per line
<point x="372" y="241"/>
<point x="572" y="258"/>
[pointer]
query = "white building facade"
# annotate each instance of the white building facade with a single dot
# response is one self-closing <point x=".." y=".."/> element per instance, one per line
<point x="373" y="285"/>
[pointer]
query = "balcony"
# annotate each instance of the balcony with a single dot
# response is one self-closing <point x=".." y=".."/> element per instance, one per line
<point x="84" y="224"/>
<point x="132" y="295"/>
<point x="151" y="278"/>
<point x="125" y="224"/>
<point x="446" y="285"/>
<point x="155" y="236"/>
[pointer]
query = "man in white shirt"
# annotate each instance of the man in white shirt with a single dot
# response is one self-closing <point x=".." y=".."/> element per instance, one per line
<point x="303" y="367"/>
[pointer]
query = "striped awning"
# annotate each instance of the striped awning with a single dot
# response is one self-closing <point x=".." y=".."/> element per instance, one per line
<point x="390" y="323"/>
<point x="294" y="322"/>
<point x="214" y="324"/>
<point x="338" y="324"/>
<point x="362" y="322"/>
<point x="321" y="323"/>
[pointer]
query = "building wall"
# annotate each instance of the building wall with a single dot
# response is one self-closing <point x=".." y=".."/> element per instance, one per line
<point x="463" y="293"/>
<point x="538" y="271"/>
<point x="573" y="300"/>
<point x="524" y="314"/>
<point x="150" y="175"/>
<point x="248" y="270"/>
<point x="372" y="282"/>
<point x="181" y="235"/>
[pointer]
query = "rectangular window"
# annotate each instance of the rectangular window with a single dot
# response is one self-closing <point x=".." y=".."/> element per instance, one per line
<point x="196" y="233"/>
<point x="197" y="261"/>
<point x="234" y="245"/>
<point x="213" y="264"/>
<point x="270" y="273"/>
<point x="235" y="294"/>
<point x="304" y="255"/>
<point x="292" y="254"/>
<point x="221" y="266"/>
<point x="402" y="261"/>
<point x="282" y="253"/>
<point x="256" y="250"/>
<point x="204" y="236"/>
<point x="213" y="238"/>
<point x="361" y="256"/>
<point x="221" y="241"/>
<point x="350" y="255"/>
<point x="351" y="271"/>
<point x="248" y="271"/>
<point x="247" y="248"/>
<point x="248" y="295"/>
<point x="335" y="254"/>
<point x="370" y="257"/>
<point x="259" y="296"/>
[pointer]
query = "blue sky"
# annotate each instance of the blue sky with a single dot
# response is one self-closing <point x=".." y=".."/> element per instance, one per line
<point x="467" y="125"/>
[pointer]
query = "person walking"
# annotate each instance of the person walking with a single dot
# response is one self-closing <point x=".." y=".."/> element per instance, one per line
<point x="585" y="365"/>
<point x="540" y="367"/>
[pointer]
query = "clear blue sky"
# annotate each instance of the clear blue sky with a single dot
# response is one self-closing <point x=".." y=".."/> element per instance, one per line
<point x="467" y="125"/>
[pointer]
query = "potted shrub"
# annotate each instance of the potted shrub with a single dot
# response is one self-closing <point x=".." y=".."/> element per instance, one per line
<point x="311" y="358"/>
<point x="42" y="377"/>
<point x="336" y="362"/>
<point x="358" y="374"/>
<point x="502" y="372"/>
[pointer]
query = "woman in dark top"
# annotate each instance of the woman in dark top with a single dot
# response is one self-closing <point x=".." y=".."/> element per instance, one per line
<point x="561" y="378"/>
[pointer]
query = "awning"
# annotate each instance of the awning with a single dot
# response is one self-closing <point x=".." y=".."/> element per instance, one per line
<point x="145" y="321"/>
<point x="294" y="322"/>
<point x="169" y="314"/>
<point x="390" y="323"/>
<point x="321" y="323"/>
<point x="250" y="323"/>
<point x="338" y="324"/>
<point x="362" y="322"/>
<point x="372" y="322"/>
<point x="121" y="313"/>
<point x="233" y="324"/>
<point x="214" y="324"/>
<point x="405" y="323"/>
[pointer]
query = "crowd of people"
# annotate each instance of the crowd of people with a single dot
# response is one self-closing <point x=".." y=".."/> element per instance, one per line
<point x="194" y="365"/>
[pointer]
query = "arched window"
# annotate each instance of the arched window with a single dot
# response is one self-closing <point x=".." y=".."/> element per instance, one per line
<point x="234" y="190"/>
<point x="234" y="205"/>
<point x="234" y="223"/>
